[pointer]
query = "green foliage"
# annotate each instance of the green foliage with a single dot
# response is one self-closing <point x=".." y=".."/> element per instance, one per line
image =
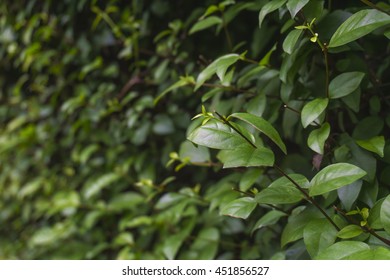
<point x="108" y="150"/>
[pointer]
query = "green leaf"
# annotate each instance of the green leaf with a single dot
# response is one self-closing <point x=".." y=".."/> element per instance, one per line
<point x="282" y="191"/>
<point x="181" y="83"/>
<point x="358" y="25"/>
<point x="345" y="84"/>
<point x="263" y="126"/>
<point x="294" y="6"/>
<point x="342" y="250"/>
<point x="317" y="138"/>
<point x="349" y="193"/>
<point x="296" y="224"/>
<point x="374" y="219"/>
<point x="268" y="219"/>
<point x="269" y="8"/>
<point x="379" y="253"/>
<point x="205" y="23"/>
<point x="247" y="156"/>
<point x="239" y="208"/>
<point x="312" y="110"/>
<point x="291" y="40"/>
<point x="249" y="178"/>
<point x="375" y="145"/>
<point x="216" y="135"/>
<point x="350" y="231"/>
<point x="333" y="177"/>
<point x="195" y="154"/>
<point x="385" y="214"/>
<point x="318" y="235"/>
<point x="93" y="188"/>
<point x="218" y="66"/>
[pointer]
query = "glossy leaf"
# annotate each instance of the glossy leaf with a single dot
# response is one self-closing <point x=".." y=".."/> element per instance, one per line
<point x="350" y="231"/>
<point x="294" y="6"/>
<point x="239" y="208"/>
<point x="385" y="214"/>
<point x="271" y="218"/>
<point x="291" y="40"/>
<point x="342" y="250"/>
<point x="318" y="235"/>
<point x="374" y="219"/>
<point x="269" y="8"/>
<point x="282" y="191"/>
<point x="263" y="126"/>
<point x="205" y="23"/>
<point x="216" y="135"/>
<point x="375" y="145"/>
<point x="218" y="66"/>
<point x="247" y="156"/>
<point x="312" y="110"/>
<point x="358" y="25"/>
<point x="333" y="177"/>
<point x="317" y="138"/>
<point x="379" y="253"/>
<point x="181" y="83"/>
<point x="345" y="84"/>
<point x="349" y="193"/>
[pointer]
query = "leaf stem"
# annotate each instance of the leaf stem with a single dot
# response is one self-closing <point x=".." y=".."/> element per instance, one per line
<point x="308" y="197"/>
<point x="372" y="5"/>
<point x="365" y="228"/>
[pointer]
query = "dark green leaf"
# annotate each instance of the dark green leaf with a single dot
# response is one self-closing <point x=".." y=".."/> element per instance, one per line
<point x="294" y="6"/>
<point x="216" y="135"/>
<point x="358" y="25"/>
<point x="375" y="145"/>
<point x="374" y="220"/>
<point x="282" y="191"/>
<point x="263" y="126"/>
<point x="350" y="231"/>
<point x="239" y="208"/>
<point x="385" y="214"/>
<point x="318" y="235"/>
<point x="218" y="66"/>
<point x="312" y="110"/>
<point x="317" y="138"/>
<point x="345" y="84"/>
<point x="205" y="23"/>
<point x="342" y="250"/>
<point x="269" y="8"/>
<point x="271" y="218"/>
<point x="349" y="193"/>
<point x="291" y="40"/>
<point x="247" y="156"/>
<point x="333" y="177"/>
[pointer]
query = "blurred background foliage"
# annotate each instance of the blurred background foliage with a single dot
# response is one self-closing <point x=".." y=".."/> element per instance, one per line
<point x="84" y="146"/>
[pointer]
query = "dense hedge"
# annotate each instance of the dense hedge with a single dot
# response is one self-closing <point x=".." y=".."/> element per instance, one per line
<point x="183" y="130"/>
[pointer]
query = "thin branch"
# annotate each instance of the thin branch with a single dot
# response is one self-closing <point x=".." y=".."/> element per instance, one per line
<point x="365" y="228"/>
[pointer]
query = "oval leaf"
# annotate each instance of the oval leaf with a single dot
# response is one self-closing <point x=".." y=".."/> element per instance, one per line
<point x="312" y="110"/>
<point x="375" y="145"/>
<point x="291" y="40"/>
<point x="345" y="84"/>
<point x="317" y="138"/>
<point x="268" y="219"/>
<point x="205" y="23"/>
<point x="358" y="25"/>
<point x="239" y="208"/>
<point x="385" y="214"/>
<point x="218" y="66"/>
<point x="294" y="6"/>
<point x="263" y="126"/>
<point x="350" y="231"/>
<point x="246" y="156"/>
<point x="216" y="135"/>
<point x="318" y="234"/>
<point x="342" y="250"/>
<point x="282" y="191"/>
<point x="269" y="8"/>
<point x="333" y="177"/>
